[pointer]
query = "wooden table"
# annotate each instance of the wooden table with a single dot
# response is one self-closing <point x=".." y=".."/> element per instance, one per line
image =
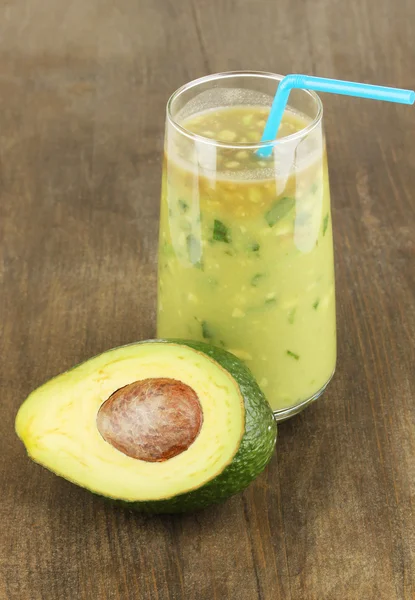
<point x="83" y="86"/>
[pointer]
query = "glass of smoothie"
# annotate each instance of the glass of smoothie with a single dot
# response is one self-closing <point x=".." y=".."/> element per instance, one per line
<point x="245" y="248"/>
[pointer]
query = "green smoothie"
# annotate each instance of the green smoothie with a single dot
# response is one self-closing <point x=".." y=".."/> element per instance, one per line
<point x="246" y="253"/>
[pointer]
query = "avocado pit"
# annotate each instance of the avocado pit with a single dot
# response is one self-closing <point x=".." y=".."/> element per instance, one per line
<point x="152" y="419"/>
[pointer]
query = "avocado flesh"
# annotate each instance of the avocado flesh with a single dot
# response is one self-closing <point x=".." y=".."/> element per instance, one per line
<point x="57" y="424"/>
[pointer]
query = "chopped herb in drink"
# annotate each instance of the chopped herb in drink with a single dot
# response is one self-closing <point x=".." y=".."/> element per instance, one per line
<point x="316" y="303"/>
<point x="291" y="315"/>
<point x="206" y="331"/>
<point x="221" y="233"/>
<point x="184" y="207"/>
<point x="314" y="187"/>
<point x="293" y="355"/>
<point x="325" y="223"/>
<point x="279" y="210"/>
<point x="253" y="247"/>
<point x="256" y="279"/>
<point x="266" y="305"/>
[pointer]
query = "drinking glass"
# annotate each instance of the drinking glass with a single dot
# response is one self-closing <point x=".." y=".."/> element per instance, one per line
<point x="245" y="246"/>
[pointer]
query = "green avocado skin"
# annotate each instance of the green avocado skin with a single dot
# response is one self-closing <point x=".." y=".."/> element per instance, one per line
<point x="255" y="451"/>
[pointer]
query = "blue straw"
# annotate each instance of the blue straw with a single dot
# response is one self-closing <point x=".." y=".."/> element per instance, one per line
<point x="333" y="86"/>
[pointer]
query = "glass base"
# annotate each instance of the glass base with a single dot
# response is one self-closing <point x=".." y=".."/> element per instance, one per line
<point x="286" y="413"/>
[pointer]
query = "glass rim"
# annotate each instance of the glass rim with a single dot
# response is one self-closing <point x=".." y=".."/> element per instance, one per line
<point x="246" y="145"/>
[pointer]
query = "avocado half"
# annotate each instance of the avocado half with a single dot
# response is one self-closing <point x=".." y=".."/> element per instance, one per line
<point x="161" y="426"/>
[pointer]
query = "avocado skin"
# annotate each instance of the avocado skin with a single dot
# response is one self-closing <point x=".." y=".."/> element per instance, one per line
<point x="255" y="451"/>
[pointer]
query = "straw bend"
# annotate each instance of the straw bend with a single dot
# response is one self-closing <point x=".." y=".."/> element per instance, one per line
<point x="332" y="86"/>
<point x="292" y="81"/>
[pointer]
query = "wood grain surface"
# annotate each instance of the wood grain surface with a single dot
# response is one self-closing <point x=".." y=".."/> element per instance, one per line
<point x="83" y="86"/>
